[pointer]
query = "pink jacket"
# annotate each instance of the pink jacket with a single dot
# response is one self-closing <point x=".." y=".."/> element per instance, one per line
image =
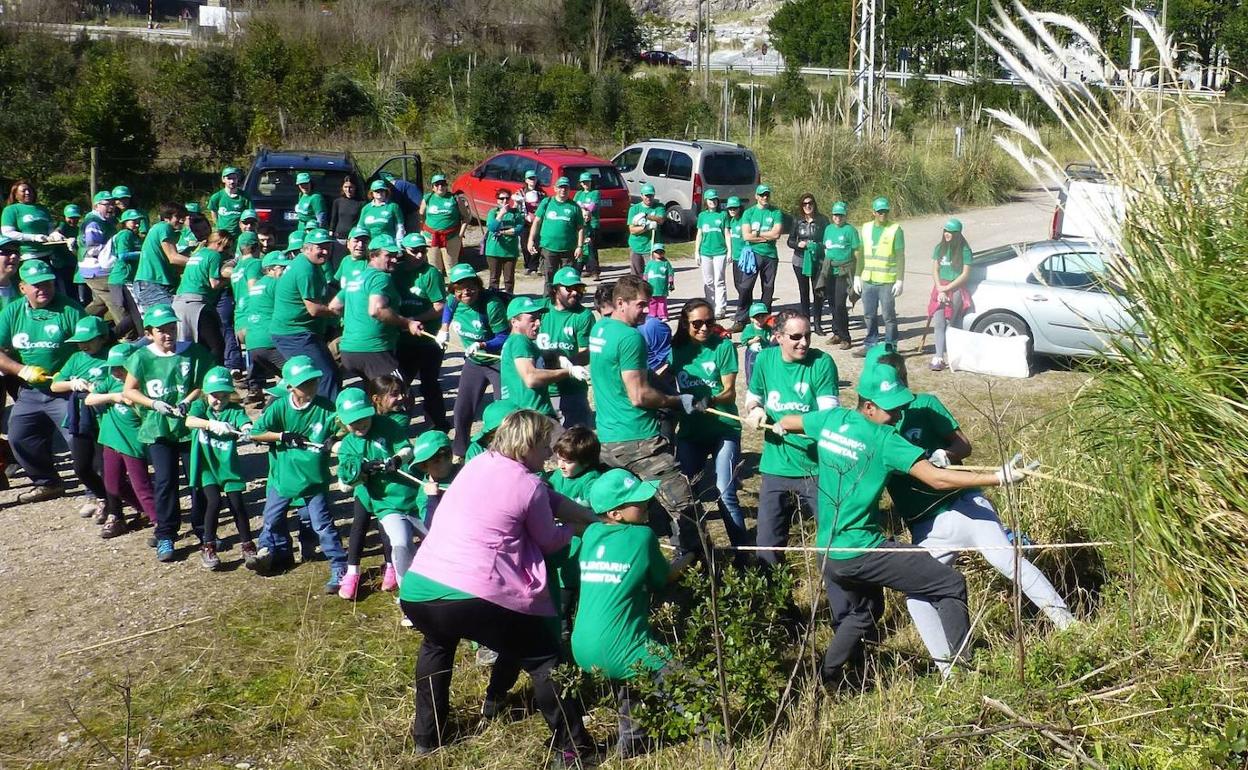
<point x="493" y="527"/>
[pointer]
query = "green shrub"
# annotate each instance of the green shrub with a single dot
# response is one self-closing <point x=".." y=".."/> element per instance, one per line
<point x="104" y="112"/>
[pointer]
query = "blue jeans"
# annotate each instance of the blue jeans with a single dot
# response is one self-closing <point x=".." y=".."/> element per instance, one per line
<point x="147" y="294"/>
<point x="315" y="524"/>
<point x="225" y="311"/>
<point x="312" y="346"/>
<point x="878" y="300"/>
<point x="726" y="452"/>
<point x="37" y="416"/>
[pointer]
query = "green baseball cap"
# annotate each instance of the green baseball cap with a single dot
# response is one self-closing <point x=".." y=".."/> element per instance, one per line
<point x="658" y="247"/>
<point x="840" y="208"/>
<point x="294" y="242"/>
<point x="247" y="239"/>
<point x="758" y="308"/>
<point x="954" y="225"/>
<point x="71" y="211"/>
<point x="522" y="304"/>
<point x="386" y="176"/>
<point x="378" y="184"/>
<point x="193" y="208"/>
<point x="882" y="385"/>
<point x="567" y="276"/>
<point x="530" y="174"/>
<point x="120" y="191"/>
<point x="710" y="195"/>
<point x="303" y="177"/>
<point x="617" y="488"/>
<point x="762" y="189"/>
<point x="383" y="242"/>
<point x="230" y="171"/>
<point x="274" y="259"/>
<point x="317" y="235"/>
<point x="585" y="177"/>
<point x="492" y="417"/>
<point x="876" y="352"/>
<point x="437" y="178"/>
<point x="358" y="232"/>
<point x="248" y="214"/>
<point x="129" y="215"/>
<point x="352" y="404"/>
<point x="6" y="241"/>
<point x="218" y="380"/>
<point x="880" y="204"/>
<point x="88" y="328"/>
<point x="733" y="202"/>
<point x="563" y="181"/>
<point x="414" y="241"/>
<point x="647" y="189"/>
<point x="157" y="316"/>
<point x="429" y="444"/>
<point x="462" y="272"/>
<point x="119" y="354"/>
<point x="298" y="370"/>
<point x="35" y="271"/>
<point x="103" y="196"/>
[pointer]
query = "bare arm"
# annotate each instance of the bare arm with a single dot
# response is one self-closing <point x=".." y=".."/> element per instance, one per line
<point x="943" y="479"/>
<point x="534" y="378"/>
<point x="101" y="399"/>
<point x="640" y="394"/>
<point x="727" y="393"/>
<point x="172" y="254"/>
<point x="318" y="310"/>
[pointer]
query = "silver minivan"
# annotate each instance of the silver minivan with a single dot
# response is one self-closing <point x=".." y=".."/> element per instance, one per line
<point x="681" y="170"/>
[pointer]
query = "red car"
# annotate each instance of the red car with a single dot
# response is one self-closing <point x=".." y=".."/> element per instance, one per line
<point x="507" y="169"/>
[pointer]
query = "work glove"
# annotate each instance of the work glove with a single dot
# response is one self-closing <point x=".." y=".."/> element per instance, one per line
<point x="1015" y="470"/>
<point x="939" y="458"/>
<point x="327" y="447"/>
<point x="897" y="288"/>
<point x="442" y="337"/>
<point x="34" y="375"/>
<point x="296" y="440"/>
<point x="164" y="408"/>
<point x="36" y="238"/>
<point x="756" y="417"/>
<point x="430" y="489"/>
<point x="404" y="454"/>
<point x="473" y="349"/>
<point x="220" y="428"/>
<point x="858" y="285"/>
<point x="778" y="429"/>
<point x="79" y="385"/>
<point x="579" y="373"/>
<point x="688" y="403"/>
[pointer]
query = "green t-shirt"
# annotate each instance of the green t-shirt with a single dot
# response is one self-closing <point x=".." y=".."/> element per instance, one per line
<point x="385" y="494"/>
<point x="839" y="245"/>
<point x="302" y="280"/>
<point x="441" y="211"/>
<point x="169" y="378"/>
<point x="83" y="365"/>
<point x="214" y="459"/>
<point x="620" y="567"/>
<point x="37" y="335"/>
<point x="298" y="472"/>
<point x="751" y="333"/>
<point x="228" y="209"/>
<point x="481" y="323"/>
<point x="415" y="587"/>
<point x="29" y="219"/>
<point x="501" y="242"/>
<point x="350" y="269"/>
<point x="616" y="347"/>
<point x="659" y="274"/>
<point x="565" y="333"/>
<point x="791" y="387"/>
<point x="736" y="241"/>
<point x="927" y="424"/>
<point x="361" y="333"/>
<point x="127" y="248"/>
<point x="310" y="210"/>
<point x="943" y="256"/>
<point x="119" y="423"/>
<point x="711" y="226"/>
<point x="576" y="489"/>
<point x="759" y="220"/>
<point x="186" y="240"/>
<point x="699" y="371"/>
<point x="640" y="243"/>
<point x="585" y="197"/>
<point x="379" y="220"/>
<point x="246" y="271"/>
<point x="560" y="224"/>
<point x="202" y="267"/>
<point x="154" y="266"/>
<point x="420" y="286"/>
<point x="856" y="457"/>
<point x="259" y="316"/>
<point x="513" y="387"/>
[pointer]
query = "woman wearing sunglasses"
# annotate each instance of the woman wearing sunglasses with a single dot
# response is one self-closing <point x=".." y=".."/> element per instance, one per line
<point x="503" y="226"/>
<point x="806" y="241"/>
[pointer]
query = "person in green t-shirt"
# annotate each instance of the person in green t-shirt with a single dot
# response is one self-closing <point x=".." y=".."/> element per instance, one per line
<point x="503" y="226"/>
<point x="760" y="229"/>
<point x="710" y="252"/>
<point x="217" y="425"/>
<point x="310" y="209"/>
<point x="26" y="221"/>
<point x="126" y="247"/>
<point x="64" y="264"/>
<point x="706" y="366"/>
<point x="381" y="216"/>
<point x="126" y="478"/>
<point x="560" y="226"/>
<point x="155" y="277"/>
<point x="563" y="339"/>
<point x="756" y="335"/>
<point x="479" y="317"/>
<point x="644" y="220"/>
<point x="226" y="205"/>
<point x="662" y="279"/>
<point x="491" y="417"/>
<point x="523" y="383"/>
<point x="77" y="378"/>
<point x="858" y="451"/>
<point x="791" y="378"/>
<point x="589" y="199"/>
<point x="620" y="568"/>
<point x="254" y="334"/>
<point x="806" y="241"/>
<point x="301" y="427"/>
<point x="195" y="302"/>
<point x="301" y="309"/>
<point x="443" y="223"/>
<point x="842" y="251"/>
<point x="423" y="292"/>
<point x="578" y="464"/>
<point x="951" y="269"/>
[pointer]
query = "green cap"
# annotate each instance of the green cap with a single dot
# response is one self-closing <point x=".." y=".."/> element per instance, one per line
<point x="274" y="259"/>
<point x="492" y="417"/>
<point x="414" y="241"/>
<point x="658" y="247"/>
<point x="230" y="171"/>
<point x="317" y="235"/>
<point x="585" y="177"/>
<point x="352" y="405"/>
<point x="248" y="214"/>
<point x="758" y="308"/>
<point x="733" y="203"/>
<point x="129" y="215"/>
<point x="298" y="370"/>
<point x="563" y="181"/>
<point x="6" y="241"/>
<point x="876" y="352"/>
<point x="840" y="208"/>
<point x="157" y="316"/>
<point x="121" y="191"/>
<point x="192" y="208"/>
<point x="383" y="242"/>
<point x="103" y="196"/>
<point x="647" y="189"/>
<point x="882" y="385"/>
<point x="118" y="354"/>
<point x="218" y="380"/>
<point x="530" y="174"/>
<point x="71" y="211"/>
<point x="710" y="195"/>
<point x="953" y="226"/>
<point x="248" y="239"/>
<point x="294" y="242"/>
<point x="522" y="304"/>
<point x="880" y="204"/>
<point x="303" y="177"/>
<point x="35" y="271"/>
<point x="617" y="488"/>
<point x="358" y="232"/>
<point x="386" y="176"/>
<point x="429" y="444"/>
<point x="437" y="178"/>
<point x="462" y="272"/>
<point x="762" y="189"/>
<point x="567" y="276"/>
<point x="88" y="328"/>
<point x="378" y="184"/>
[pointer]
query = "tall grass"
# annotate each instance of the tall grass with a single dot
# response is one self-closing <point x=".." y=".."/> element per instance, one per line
<point x="1165" y="422"/>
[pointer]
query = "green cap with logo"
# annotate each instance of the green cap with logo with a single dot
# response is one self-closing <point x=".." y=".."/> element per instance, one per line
<point x="157" y="316"/>
<point x="378" y="184"/>
<point x="429" y="444"/>
<point x="762" y="189"/>
<point x="954" y="225"/>
<point x="230" y="171"/>
<point x="462" y="272"/>
<point x="298" y="370"/>
<point x="303" y="177"/>
<point x="35" y="271"/>
<point x="710" y="195"/>
<point x="567" y="276"/>
<point x="358" y="232"/>
<point x="218" y="380"/>
<point x="352" y="404"/>
<point x="71" y="211"/>
<point x="274" y="259"/>
<point x="647" y="189"/>
<point x="119" y="354"/>
<point x="386" y="176"/>
<point x="130" y="215"/>
<point x="758" y="308"/>
<point x="880" y="204"/>
<point x="317" y="235"/>
<point x="658" y="247"/>
<point x="247" y="239"/>
<point x="876" y="352"/>
<point x="585" y="177"/>
<point x="530" y="174"/>
<point x="437" y="179"/>
<point x="617" y="488"/>
<point x="294" y="242"/>
<point x="414" y="241"/>
<point x="492" y="417"/>
<point x="563" y="181"/>
<point x="733" y="202"/>
<point x="193" y="208"/>
<point x="840" y="208"/>
<point x="881" y="385"/>
<point x="383" y="242"/>
<point x="8" y="243"/>
<point x="121" y="191"/>
<point x="522" y="304"/>
<point x="88" y="328"/>
<point x="249" y="215"/>
<point x="103" y="196"/>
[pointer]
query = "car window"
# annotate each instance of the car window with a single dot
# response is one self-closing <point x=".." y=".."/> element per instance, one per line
<point x="627" y="160"/>
<point x="544" y="175"/>
<point x="656" y="162"/>
<point x="499" y="168"/>
<point x="729" y="168"/>
<point x="1081" y="270"/>
<point x="279" y="184"/>
<point x="680" y="167"/>
<point x="520" y="166"/>
<point x="605" y="177"/>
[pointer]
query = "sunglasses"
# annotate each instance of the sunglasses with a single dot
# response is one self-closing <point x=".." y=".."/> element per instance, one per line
<point x="699" y="324"/>
<point x="503" y="198"/>
<point x="808" y="203"/>
<point x="798" y="337"/>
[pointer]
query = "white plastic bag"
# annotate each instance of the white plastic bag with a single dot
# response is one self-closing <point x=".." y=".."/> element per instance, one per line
<point x="986" y="354"/>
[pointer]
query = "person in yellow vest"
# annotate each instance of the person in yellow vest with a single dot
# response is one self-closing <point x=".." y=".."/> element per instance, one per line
<point x="879" y="274"/>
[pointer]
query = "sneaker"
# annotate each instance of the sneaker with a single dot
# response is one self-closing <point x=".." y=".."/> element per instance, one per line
<point x="164" y="550"/>
<point x="389" y="579"/>
<point x="937" y="365"/>
<point x="349" y="584"/>
<point x="87" y="509"/>
<point x="405" y="621"/>
<point x="208" y="558"/>
<point x="151" y="541"/>
<point x="101" y="514"/>
<point x="335" y="581"/>
<point x="40" y="493"/>
<point x="249" y="554"/>
<point x="835" y="339"/>
<point x="271" y="563"/>
<point x="113" y="527"/>
<point x="846" y="345"/>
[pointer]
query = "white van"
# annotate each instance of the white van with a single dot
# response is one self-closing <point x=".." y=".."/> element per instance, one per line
<point x="1089" y="206"/>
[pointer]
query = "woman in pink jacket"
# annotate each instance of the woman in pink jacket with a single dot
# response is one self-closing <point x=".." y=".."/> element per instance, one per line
<point x="480" y="574"/>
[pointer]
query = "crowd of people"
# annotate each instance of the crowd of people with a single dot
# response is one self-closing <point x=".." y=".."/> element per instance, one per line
<point x="157" y="349"/>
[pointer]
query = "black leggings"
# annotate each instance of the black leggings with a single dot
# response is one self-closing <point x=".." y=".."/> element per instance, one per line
<point x="265" y="363"/>
<point x="804" y="285"/>
<point x="82" y="449"/>
<point x="359" y="531"/>
<point x="209" y="334"/>
<point x="422" y="360"/>
<point x="212" y="513"/>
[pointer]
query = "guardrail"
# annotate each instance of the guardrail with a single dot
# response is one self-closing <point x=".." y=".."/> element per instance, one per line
<point x="181" y="36"/>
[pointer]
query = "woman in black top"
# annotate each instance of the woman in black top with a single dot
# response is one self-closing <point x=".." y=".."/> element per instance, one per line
<point x="806" y="241"/>
<point x="343" y="214"/>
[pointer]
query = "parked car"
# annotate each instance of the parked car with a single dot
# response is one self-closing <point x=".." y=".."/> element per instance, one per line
<point x="666" y="58"/>
<point x="681" y="170"/>
<point x="1089" y="206"/>
<point x="1060" y="293"/>
<point x="270" y="182"/>
<point x="506" y="170"/>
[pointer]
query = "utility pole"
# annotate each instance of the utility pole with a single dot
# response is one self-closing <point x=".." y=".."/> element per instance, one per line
<point x="863" y="64"/>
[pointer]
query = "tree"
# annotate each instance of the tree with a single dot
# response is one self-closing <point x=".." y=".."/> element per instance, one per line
<point x="600" y="30"/>
<point x="812" y="32"/>
<point x="104" y="112"/>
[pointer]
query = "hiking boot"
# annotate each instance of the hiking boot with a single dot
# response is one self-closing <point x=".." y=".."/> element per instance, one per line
<point x="101" y="513"/>
<point x="113" y="527"/>
<point x="164" y="550"/>
<point x="208" y="558"/>
<point x="389" y="579"/>
<point x="249" y="554"/>
<point x="335" y="581"/>
<point x="87" y="509"/>
<point x="846" y="345"/>
<point x="349" y="585"/>
<point x="45" y="492"/>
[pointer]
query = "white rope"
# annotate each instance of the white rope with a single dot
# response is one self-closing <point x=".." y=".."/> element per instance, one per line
<point x="914" y="549"/>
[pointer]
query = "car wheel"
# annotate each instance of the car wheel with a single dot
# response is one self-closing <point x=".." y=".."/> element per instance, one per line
<point x="675" y="227"/>
<point x="1003" y="324"/>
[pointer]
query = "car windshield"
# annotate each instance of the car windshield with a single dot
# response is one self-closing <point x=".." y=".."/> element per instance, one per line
<point x="278" y="184"/>
<point x="999" y="254"/>
<point x="605" y="176"/>
<point x="729" y="168"/>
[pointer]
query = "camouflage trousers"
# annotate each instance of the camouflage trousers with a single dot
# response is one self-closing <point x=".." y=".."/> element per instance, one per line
<point x="651" y="459"/>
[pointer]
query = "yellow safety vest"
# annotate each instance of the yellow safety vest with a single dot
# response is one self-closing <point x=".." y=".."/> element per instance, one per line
<point x="879" y="264"/>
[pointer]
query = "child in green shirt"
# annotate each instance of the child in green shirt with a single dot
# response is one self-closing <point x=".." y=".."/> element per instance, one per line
<point x="126" y="479"/>
<point x="77" y="378"/>
<point x="491" y="417"/>
<point x="436" y="470"/>
<point x="578" y="464"/>
<point x="756" y="335"/>
<point x="662" y="279"/>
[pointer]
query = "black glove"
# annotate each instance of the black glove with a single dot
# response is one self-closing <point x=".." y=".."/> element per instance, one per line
<point x="293" y="439"/>
<point x="370" y="467"/>
<point x="392" y="464"/>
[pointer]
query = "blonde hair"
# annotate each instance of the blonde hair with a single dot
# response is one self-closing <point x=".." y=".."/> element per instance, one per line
<point x="520" y="432"/>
